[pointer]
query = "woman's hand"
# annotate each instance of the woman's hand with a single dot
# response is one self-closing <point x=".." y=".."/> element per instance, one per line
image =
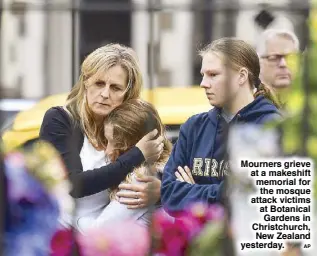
<point x="151" y="148"/>
<point x="184" y="175"/>
<point x="140" y="195"/>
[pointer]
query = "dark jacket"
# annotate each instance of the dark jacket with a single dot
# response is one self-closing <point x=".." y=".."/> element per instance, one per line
<point x="202" y="146"/>
<point x="58" y="129"/>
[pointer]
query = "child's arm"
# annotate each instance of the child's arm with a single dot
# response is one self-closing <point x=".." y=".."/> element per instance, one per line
<point x="115" y="211"/>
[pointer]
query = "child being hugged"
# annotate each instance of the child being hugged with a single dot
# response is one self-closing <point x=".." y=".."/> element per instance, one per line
<point x="123" y="128"/>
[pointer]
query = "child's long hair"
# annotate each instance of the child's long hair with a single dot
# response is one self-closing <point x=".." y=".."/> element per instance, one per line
<point x="131" y="121"/>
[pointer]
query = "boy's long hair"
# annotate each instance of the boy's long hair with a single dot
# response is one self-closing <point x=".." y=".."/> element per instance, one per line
<point x="236" y="54"/>
<point x="131" y="121"/>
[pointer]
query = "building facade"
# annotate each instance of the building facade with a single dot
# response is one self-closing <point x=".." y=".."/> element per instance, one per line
<point x="42" y="48"/>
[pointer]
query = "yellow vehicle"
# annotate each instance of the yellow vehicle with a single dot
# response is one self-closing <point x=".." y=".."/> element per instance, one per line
<point x="175" y="106"/>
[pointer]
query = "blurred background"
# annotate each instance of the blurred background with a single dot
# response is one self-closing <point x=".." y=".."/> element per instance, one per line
<point x="43" y="42"/>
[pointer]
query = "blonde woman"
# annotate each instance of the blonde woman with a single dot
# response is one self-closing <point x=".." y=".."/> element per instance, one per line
<point x="109" y="76"/>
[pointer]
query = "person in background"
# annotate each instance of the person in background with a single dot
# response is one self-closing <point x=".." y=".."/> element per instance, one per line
<point x="198" y="163"/>
<point x="274" y="47"/>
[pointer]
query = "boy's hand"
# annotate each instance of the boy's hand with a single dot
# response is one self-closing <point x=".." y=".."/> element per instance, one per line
<point x="184" y="175"/>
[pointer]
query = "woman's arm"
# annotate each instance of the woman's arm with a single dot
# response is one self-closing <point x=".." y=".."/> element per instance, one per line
<point x="58" y="130"/>
<point x="147" y="191"/>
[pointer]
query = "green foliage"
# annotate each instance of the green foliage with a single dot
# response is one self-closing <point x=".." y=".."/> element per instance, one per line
<point x="292" y="127"/>
<point x="208" y="241"/>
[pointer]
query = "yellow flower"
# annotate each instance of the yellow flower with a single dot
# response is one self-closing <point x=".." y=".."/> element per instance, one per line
<point x="44" y="162"/>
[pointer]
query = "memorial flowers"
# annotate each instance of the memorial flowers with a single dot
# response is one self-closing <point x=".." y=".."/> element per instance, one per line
<point x="188" y="231"/>
<point x="36" y="189"/>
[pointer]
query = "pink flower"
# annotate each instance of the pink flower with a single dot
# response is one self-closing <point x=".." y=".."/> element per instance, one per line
<point x="62" y="242"/>
<point x="172" y="237"/>
<point x="204" y="213"/>
<point x="116" y="239"/>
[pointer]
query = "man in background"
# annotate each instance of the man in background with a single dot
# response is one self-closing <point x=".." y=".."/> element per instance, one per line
<point x="274" y="47"/>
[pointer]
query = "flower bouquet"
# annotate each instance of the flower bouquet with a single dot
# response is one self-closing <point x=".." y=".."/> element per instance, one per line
<point x="36" y="190"/>
<point x="125" y="238"/>
<point x="116" y="239"/>
<point x="188" y="232"/>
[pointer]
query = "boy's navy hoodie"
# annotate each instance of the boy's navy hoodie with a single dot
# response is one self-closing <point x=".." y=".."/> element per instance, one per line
<point x="201" y="146"/>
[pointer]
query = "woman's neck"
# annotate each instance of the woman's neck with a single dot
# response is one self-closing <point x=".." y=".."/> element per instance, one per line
<point x="243" y="99"/>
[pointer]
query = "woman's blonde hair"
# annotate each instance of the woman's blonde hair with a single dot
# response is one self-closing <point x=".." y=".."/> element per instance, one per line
<point x="237" y="54"/>
<point x="98" y="62"/>
<point x="131" y="121"/>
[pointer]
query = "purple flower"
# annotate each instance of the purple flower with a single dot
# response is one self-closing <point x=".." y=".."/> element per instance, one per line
<point x="32" y="213"/>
